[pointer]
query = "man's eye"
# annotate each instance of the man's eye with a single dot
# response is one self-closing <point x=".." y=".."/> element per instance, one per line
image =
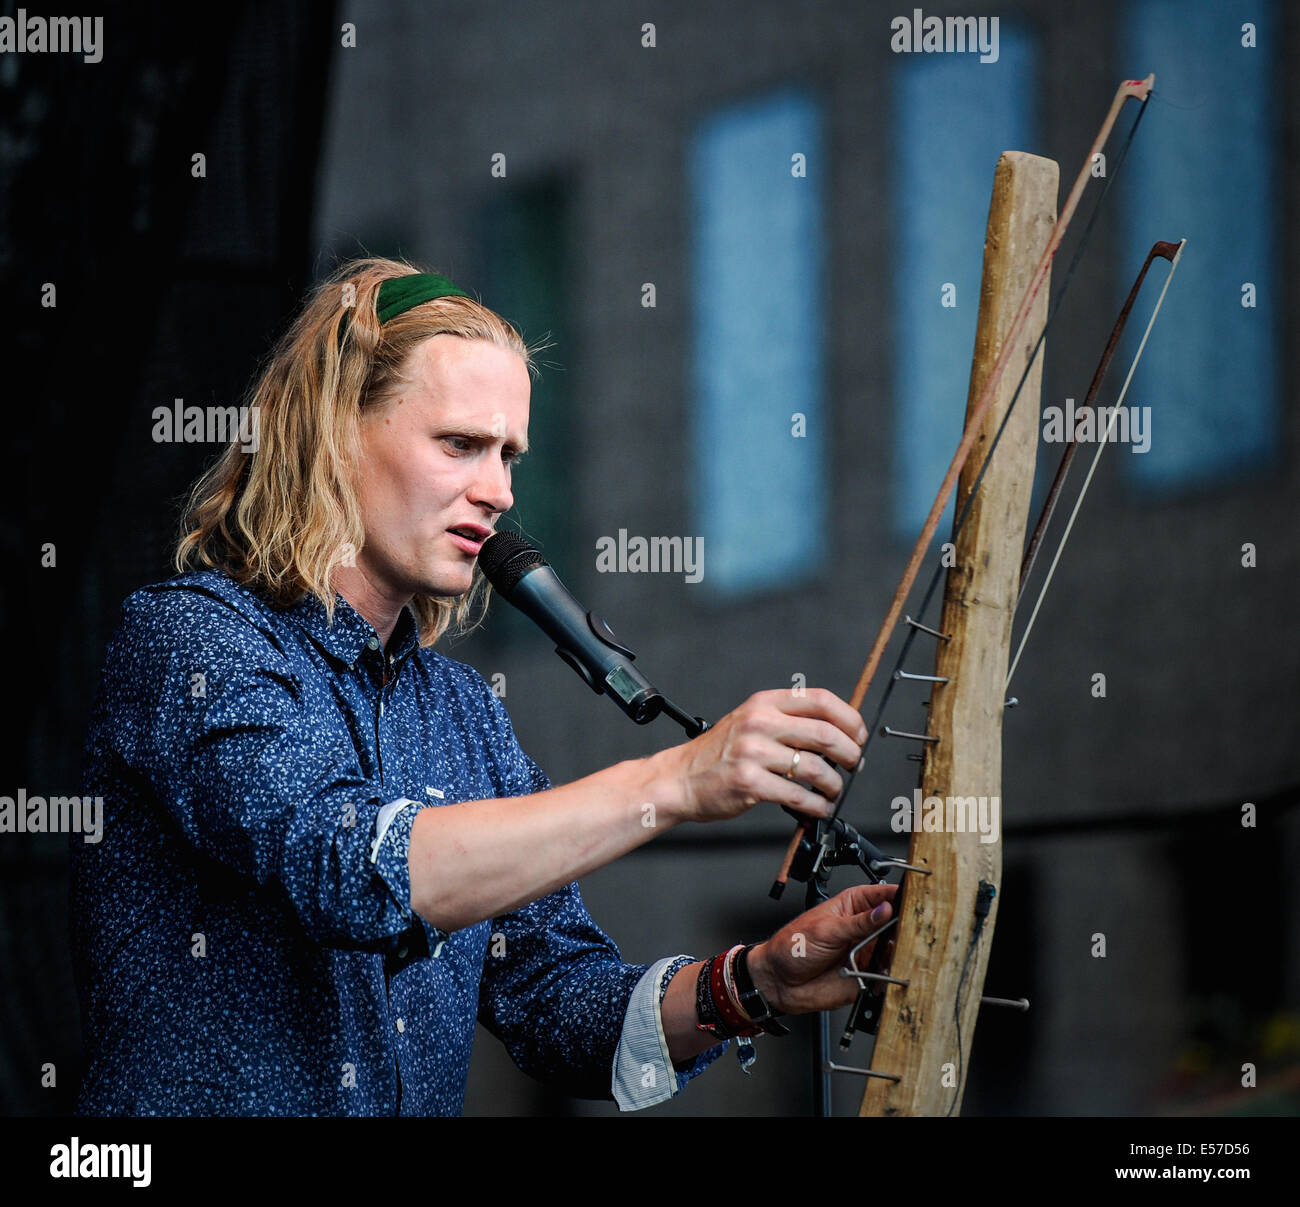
<point x="462" y="444"/>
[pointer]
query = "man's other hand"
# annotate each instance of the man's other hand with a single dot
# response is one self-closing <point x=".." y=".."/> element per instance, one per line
<point x="797" y="969"/>
<point x="768" y="749"/>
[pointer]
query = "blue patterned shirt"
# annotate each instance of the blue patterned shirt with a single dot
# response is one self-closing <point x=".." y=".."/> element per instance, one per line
<point x="243" y="934"/>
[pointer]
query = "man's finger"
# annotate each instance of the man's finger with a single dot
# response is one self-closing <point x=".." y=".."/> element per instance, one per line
<point x="818" y="702"/>
<point x="847" y="930"/>
<point x="822" y="737"/>
<point x="863" y="898"/>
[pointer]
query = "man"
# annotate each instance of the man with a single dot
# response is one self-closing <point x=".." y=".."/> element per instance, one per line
<point x="324" y="852"/>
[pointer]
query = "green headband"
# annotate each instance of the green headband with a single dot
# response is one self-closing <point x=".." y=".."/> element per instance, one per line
<point x="397" y="295"/>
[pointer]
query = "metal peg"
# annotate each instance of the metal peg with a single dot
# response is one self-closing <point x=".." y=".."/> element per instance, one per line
<point x="902" y="674"/>
<point x="1012" y="1003"/>
<point x="898" y="733"/>
<point x="831" y="1067"/>
<point x="880" y="865"/>
<point x="872" y="976"/>
<point x="925" y="628"/>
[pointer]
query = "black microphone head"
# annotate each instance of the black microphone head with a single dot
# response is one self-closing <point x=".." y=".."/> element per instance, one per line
<point x="506" y="557"/>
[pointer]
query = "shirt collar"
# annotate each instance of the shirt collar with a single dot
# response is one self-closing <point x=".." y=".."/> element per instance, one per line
<point x="351" y="634"/>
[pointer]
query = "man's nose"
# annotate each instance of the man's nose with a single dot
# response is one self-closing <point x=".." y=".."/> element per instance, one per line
<point x="491" y="486"/>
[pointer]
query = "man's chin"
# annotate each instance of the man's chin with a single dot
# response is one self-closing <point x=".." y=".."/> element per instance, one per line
<point x="449" y="585"/>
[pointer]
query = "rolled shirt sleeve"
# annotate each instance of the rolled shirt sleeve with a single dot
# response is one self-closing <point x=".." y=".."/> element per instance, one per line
<point x="221" y="730"/>
<point x="644" y="1074"/>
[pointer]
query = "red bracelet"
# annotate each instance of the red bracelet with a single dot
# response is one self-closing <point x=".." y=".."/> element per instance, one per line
<point x="724" y="997"/>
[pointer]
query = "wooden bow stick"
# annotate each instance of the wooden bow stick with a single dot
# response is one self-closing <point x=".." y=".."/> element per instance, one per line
<point x="976" y="413"/>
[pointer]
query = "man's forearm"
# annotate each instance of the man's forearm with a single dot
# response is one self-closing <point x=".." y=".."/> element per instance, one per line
<point x="685" y="1040"/>
<point x="479" y="859"/>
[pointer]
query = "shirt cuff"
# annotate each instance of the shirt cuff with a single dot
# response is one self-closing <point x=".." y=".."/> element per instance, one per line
<point x="643" y="1069"/>
<point x="390" y="857"/>
<point x="384" y="821"/>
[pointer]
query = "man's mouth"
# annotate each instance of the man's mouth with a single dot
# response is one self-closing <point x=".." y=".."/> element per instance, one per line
<point x="470" y="537"/>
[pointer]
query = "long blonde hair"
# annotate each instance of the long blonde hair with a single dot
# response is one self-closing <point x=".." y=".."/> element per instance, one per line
<point x="281" y="518"/>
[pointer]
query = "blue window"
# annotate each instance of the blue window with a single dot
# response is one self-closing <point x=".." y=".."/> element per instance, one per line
<point x="953" y="117"/>
<point x="756" y="173"/>
<point x="1203" y="167"/>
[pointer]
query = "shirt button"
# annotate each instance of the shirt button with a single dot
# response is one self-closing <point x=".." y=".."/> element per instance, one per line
<point x="401" y="953"/>
<point x="401" y="1026"/>
<point x="373" y="643"/>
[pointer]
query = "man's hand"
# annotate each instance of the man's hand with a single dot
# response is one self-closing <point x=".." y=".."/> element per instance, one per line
<point x="797" y="969"/>
<point x="767" y="749"/>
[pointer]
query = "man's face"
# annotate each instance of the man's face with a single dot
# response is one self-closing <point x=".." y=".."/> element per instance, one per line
<point x="435" y="465"/>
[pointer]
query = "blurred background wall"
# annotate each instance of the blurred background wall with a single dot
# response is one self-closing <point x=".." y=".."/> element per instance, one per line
<point x="752" y="235"/>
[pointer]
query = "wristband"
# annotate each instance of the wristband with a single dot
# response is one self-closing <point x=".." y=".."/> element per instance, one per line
<point x="717" y="1012"/>
<point x="724" y="998"/>
<point x="704" y="1010"/>
<point x="751" y="1000"/>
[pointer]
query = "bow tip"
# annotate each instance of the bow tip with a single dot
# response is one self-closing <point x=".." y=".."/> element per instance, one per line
<point x="1140" y="88"/>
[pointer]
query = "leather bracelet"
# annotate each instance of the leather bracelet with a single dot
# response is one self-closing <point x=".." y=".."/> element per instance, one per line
<point x="751" y="1000"/>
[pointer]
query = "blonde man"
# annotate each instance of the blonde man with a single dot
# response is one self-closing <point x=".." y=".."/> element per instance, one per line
<point x="325" y="854"/>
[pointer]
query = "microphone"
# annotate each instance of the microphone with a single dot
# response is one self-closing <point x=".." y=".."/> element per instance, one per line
<point x="517" y="569"/>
